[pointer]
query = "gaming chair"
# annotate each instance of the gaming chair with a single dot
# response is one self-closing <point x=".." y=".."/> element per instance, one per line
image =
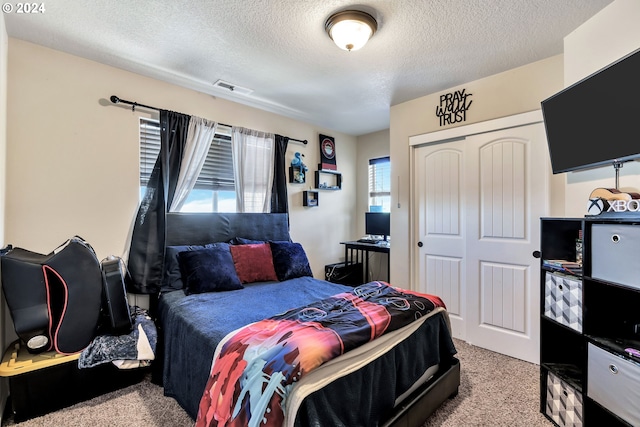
<point x="54" y="299"/>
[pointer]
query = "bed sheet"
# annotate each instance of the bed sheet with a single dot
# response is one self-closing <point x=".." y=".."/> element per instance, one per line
<point x="366" y="385"/>
<point x="193" y="325"/>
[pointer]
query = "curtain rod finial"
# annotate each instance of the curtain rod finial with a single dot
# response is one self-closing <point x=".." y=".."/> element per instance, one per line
<point x="114" y="99"/>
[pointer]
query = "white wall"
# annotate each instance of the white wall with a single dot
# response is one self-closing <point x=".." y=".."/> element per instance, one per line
<point x="512" y="92"/>
<point x="608" y="36"/>
<point x="3" y="171"/>
<point x="72" y="156"/>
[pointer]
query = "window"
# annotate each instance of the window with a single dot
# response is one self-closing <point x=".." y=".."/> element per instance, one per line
<point x="215" y="188"/>
<point x="380" y="185"/>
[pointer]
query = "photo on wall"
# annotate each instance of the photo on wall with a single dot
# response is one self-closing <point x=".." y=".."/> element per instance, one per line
<point x="327" y="153"/>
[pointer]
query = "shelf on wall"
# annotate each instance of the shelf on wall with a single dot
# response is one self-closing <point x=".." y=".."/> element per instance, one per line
<point x="335" y="180"/>
<point x="297" y="175"/>
<point x="310" y="198"/>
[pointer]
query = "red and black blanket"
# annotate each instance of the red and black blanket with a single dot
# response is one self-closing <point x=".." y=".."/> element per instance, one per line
<point x="256" y="367"/>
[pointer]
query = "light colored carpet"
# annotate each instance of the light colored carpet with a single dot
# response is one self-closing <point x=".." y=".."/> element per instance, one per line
<point x="495" y="390"/>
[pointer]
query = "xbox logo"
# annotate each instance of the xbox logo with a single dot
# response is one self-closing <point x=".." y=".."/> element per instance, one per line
<point x="597" y="206"/>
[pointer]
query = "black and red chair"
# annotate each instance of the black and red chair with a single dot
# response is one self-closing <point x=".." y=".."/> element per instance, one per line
<point x="54" y="299"/>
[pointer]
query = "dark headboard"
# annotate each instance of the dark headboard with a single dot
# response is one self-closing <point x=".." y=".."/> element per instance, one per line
<point x="203" y="228"/>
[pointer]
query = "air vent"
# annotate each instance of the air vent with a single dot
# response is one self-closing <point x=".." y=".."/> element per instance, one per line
<point x="230" y="87"/>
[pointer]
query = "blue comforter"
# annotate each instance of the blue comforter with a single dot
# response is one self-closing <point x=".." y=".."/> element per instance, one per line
<point x="193" y="325"/>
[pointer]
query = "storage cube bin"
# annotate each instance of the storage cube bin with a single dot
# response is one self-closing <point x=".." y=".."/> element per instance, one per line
<point x="614" y="253"/>
<point x="563" y="403"/>
<point x="614" y="382"/>
<point x="563" y="299"/>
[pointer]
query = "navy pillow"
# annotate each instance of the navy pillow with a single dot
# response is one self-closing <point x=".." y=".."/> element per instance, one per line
<point x="290" y="260"/>
<point x="208" y="270"/>
<point x="172" y="280"/>
<point x="243" y="241"/>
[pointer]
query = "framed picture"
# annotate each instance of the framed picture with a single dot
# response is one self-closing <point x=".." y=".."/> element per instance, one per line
<point x="327" y="153"/>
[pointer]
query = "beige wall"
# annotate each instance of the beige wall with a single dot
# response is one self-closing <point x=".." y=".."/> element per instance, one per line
<point x="603" y="39"/>
<point x="3" y="122"/>
<point x="72" y="156"/>
<point x="3" y="145"/>
<point x="515" y="91"/>
<point x="370" y="146"/>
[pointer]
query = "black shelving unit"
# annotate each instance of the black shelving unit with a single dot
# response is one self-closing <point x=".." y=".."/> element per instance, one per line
<point x="587" y="323"/>
<point x="310" y="198"/>
<point x="335" y="180"/>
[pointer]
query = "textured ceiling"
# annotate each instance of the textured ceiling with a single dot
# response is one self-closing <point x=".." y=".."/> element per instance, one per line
<point x="279" y="49"/>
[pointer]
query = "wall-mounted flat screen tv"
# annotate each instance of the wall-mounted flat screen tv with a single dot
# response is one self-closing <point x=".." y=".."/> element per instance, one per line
<point x="596" y="121"/>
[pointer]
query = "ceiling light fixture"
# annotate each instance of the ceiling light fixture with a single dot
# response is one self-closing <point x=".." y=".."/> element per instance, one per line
<point x="350" y="29"/>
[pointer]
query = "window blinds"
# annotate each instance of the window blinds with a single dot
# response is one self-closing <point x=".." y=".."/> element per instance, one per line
<point x="217" y="172"/>
<point x="379" y="177"/>
<point x="149" y="148"/>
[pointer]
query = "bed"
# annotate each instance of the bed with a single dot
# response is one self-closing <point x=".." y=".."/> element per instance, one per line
<point x="398" y="379"/>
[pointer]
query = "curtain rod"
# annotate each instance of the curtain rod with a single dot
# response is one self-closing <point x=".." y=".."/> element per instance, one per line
<point x="134" y="104"/>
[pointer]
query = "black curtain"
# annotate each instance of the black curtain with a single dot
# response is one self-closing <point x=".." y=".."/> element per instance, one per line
<point x="146" y="253"/>
<point x="279" y="201"/>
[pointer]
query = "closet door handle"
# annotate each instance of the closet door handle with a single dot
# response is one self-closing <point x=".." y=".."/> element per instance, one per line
<point x="420" y="244"/>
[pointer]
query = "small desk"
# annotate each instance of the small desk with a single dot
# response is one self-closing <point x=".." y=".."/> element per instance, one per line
<point x="355" y="252"/>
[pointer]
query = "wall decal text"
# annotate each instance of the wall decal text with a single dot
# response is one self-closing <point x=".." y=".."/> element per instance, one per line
<point x="453" y="107"/>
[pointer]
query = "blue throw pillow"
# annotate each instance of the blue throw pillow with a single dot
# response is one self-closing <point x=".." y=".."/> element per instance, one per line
<point x="243" y="241"/>
<point x="172" y="280"/>
<point x="208" y="270"/>
<point x="290" y="260"/>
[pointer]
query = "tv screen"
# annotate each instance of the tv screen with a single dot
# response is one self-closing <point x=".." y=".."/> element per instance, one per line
<point x="594" y="122"/>
<point x="377" y="224"/>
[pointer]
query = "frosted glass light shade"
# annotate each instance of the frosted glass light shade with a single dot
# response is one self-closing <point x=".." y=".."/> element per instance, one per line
<point x="351" y="29"/>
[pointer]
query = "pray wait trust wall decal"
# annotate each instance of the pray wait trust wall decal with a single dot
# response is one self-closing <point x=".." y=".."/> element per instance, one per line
<point x="453" y="107"/>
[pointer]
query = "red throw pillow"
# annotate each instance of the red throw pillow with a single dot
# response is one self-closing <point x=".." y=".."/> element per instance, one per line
<point x="253" y="262"/>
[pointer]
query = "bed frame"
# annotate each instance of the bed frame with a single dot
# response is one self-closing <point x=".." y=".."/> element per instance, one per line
<point x="203" y="228"/>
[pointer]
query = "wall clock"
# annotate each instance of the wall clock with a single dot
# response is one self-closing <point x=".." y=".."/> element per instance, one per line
<point x="327" y="153"/>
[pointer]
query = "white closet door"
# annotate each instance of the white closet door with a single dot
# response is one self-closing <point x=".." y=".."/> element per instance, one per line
<point x="479" y="203"/>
